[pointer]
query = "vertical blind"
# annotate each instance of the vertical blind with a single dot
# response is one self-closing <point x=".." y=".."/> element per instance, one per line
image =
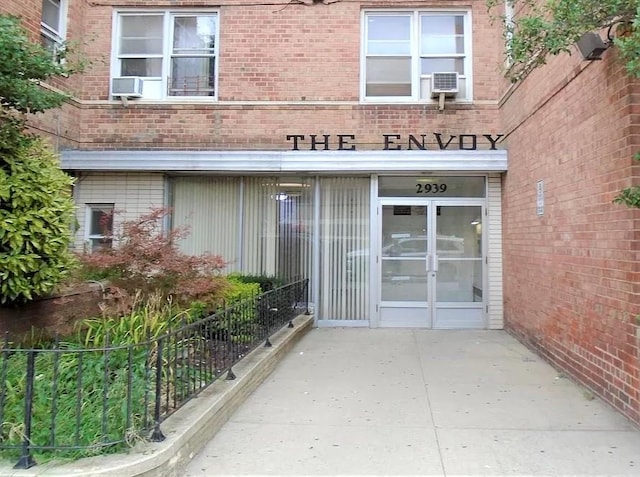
<point x="208" y="207"/>
<point x="345" y="248"/>
<point x="265" y="226"/>
<point x="295" y="228"/>
<point x="259" y="236"/>
<point x="259" y="225"/>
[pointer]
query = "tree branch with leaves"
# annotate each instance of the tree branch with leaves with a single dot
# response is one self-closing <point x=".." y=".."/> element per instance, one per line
<point x="539" y="29"/>
<point x="36" y="205"/>
<point x="535" y="30"/>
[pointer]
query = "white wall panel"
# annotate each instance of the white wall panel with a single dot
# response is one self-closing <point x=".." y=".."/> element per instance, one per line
<point x="133" y="194"/>
<point x="494" y="253"/>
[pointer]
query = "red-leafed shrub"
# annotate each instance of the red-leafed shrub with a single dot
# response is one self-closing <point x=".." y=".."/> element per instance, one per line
<point x="145" y="259"/>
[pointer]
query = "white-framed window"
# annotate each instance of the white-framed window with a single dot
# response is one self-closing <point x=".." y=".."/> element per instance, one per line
<point x="509" y="23"/>
<point x="53" y="24"/>
<point x="99" y="226"/>
<point x="402" y="49"/>
<point x="174" y="53"/>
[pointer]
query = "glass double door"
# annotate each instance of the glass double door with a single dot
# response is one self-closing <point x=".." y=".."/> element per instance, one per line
<point x="430" y="263"/>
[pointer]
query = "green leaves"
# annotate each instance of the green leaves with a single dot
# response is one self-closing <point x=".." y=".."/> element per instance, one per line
<point x="36" y="213"/>
<point x="23" y="65"/>
<point x="543" y="29"/>
<point x="629" y="197"/>
<point x="628" y="41"/>
<point x="36" y="208"/>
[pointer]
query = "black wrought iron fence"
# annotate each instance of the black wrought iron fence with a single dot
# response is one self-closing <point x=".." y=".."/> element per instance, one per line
<point x="69" y="398"/>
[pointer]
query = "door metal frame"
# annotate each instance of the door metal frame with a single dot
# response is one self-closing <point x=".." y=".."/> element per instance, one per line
<point x="431" y="205"/>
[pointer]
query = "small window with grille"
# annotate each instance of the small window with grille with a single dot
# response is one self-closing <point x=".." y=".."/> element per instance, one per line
<point x="173" y="54"/>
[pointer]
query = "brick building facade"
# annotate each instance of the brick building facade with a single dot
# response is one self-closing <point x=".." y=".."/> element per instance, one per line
<point x="572" y="274"/>
<point x="305" y="138"/>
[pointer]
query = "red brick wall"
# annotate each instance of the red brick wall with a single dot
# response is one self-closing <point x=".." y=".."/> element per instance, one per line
<point x="571" y="276"/>
<point x="285" y="52"/>
<point x="58" y="314"/>
<point x="266" y="127"/>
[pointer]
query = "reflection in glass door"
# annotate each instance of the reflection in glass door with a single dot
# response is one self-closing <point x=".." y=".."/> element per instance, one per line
<point x="431" y="263"/>
<point x="405" y="289"/>
<point x="458" y="266"/>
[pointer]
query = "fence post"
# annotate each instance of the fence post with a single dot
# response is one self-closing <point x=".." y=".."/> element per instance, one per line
<point x="265" y="309"/>
<point x="230" y="375"/>
<point x="306" y="295"/>
<point x="292" y="302"/>
<point x="26" y="461"/>
<point x="105" y="387"/>
<point x="3" y="375"/>
<point x="157" y="435"/>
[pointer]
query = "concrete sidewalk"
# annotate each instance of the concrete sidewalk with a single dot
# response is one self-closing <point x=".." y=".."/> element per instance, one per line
<point x="419" y="402"/>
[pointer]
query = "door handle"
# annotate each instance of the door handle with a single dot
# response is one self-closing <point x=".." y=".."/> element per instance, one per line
<point x="435" y="263"/>
<point x="427" y="263"/>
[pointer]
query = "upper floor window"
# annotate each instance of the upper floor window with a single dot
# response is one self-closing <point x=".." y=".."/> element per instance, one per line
<point x="403" y="49"/>
<point x="52" y="24"/>
<point x="173" y="53"/>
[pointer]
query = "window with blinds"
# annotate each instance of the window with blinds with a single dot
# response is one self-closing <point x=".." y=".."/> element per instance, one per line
<point x="344" y="248"/>
<point x="266" y="226"/>
<point x="259" y="225"/>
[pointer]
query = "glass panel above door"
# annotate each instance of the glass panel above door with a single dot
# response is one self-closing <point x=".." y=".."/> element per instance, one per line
<point x="431" y="187"/>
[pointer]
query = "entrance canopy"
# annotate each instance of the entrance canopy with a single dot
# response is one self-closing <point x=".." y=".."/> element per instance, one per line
<point x="287" y="161"/>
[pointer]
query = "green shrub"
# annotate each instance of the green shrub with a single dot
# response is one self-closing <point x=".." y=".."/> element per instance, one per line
<point x="36" y="214"/>
<point x="36" y="207"/>
<point x="266" y="282"/>
<point x="240" y="322"/>
<point x="239" y="290"/>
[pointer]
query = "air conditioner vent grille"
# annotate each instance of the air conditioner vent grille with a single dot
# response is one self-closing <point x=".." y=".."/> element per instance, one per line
<point x="444" y="82"/>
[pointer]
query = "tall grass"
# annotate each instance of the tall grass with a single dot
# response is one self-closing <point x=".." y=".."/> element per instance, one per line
<point x="79" y="399"/>
<point x="95" y="392"/>
<point x="147" y="320"/>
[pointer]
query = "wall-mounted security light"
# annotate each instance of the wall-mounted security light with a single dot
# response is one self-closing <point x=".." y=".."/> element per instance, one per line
<point x="591" y="46"/>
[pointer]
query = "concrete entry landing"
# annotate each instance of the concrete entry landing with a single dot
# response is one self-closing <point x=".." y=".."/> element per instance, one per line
<point x="419" y="402"/>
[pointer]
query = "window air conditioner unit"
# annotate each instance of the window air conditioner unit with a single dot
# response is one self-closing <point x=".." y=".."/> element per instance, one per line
<point x="127" y="87"/>
<point x="444" y="83"/>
